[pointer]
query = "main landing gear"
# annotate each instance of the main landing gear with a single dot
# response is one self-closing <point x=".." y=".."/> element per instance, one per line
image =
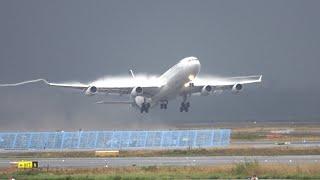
<point x="145" y="107"/>
<point x="184" y="105"/>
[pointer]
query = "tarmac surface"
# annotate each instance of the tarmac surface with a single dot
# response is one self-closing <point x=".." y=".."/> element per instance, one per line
<point x="161" y="161"/>
<point x="272" y="144"/>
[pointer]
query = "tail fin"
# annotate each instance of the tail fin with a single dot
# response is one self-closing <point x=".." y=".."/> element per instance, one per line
<point x="131" y="73"/>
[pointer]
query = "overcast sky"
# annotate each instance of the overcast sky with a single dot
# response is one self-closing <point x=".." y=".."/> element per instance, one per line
<point x="84" y="40"/>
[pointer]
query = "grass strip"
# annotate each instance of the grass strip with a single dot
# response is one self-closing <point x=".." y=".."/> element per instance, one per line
<point x="229" y="151"/>
<point x="234" y="171"/>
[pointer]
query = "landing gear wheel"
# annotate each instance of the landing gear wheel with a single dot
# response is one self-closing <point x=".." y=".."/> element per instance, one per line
<point x="184" y="107"/>
<point x="164" y="105"/>
<point x="145" y="107"/>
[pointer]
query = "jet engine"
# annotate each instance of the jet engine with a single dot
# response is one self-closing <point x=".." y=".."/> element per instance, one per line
<point x="237" y="88"/>
<point x="137" y="91"/>
<point x="139" y="100"/>
<point x="205" y="91"/>
<point x="92" y="90"/>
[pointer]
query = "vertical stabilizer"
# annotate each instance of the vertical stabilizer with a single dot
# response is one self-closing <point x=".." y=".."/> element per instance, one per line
<point x="131" y="73"/>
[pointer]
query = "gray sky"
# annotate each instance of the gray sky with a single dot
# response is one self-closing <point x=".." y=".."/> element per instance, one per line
<point x="84" y="40"/>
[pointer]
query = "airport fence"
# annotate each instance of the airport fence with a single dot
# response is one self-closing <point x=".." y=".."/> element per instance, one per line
<point x="115" y="139"/>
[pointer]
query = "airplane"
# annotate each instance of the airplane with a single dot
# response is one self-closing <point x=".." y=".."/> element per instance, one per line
<point x="179" y="81"/>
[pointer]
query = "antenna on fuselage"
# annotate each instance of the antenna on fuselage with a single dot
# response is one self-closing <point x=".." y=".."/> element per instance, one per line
<point x="131" y="73"/>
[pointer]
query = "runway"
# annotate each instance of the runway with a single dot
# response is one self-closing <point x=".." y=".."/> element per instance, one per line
<point x="272" y="144"/>
<point x="162" y="161"/>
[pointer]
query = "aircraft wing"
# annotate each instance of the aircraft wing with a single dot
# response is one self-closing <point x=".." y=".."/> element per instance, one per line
<point x="148" y="91"/>
<point x="109" y="86"/>
<point x="69" y="85"/>
<point x="220" y="83"/>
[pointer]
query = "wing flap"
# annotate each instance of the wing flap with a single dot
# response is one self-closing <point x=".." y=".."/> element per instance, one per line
<point x="69" y="85"/>
<point x="114" y="102"/>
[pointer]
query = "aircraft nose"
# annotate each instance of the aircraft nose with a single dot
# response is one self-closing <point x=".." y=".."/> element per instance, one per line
<point x="196" y="62"/>
<point x="195" y="65"/>
<point x="191" y="62"/>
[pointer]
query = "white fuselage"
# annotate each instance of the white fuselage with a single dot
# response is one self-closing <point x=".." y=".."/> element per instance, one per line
<point x="176" y="78"/>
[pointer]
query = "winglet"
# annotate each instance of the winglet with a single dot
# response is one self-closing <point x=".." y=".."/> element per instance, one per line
<point x="260" y="79"/>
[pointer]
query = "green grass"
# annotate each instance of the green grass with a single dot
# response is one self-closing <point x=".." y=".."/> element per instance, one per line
<point x="229" y="151"/>
<point x="248" y="135"/>
<point x="235" y="171"/>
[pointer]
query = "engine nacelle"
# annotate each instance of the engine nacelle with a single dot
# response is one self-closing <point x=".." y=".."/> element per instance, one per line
<point x="139" y="100"/>
<point x="137" y="91"/>
<point x="92" y="90"/>
<point x="205" y="91"/>
<point x="237" y="88"/>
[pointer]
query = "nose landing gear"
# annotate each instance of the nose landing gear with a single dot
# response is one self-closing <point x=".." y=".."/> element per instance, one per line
<point x="164" y="105"/>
